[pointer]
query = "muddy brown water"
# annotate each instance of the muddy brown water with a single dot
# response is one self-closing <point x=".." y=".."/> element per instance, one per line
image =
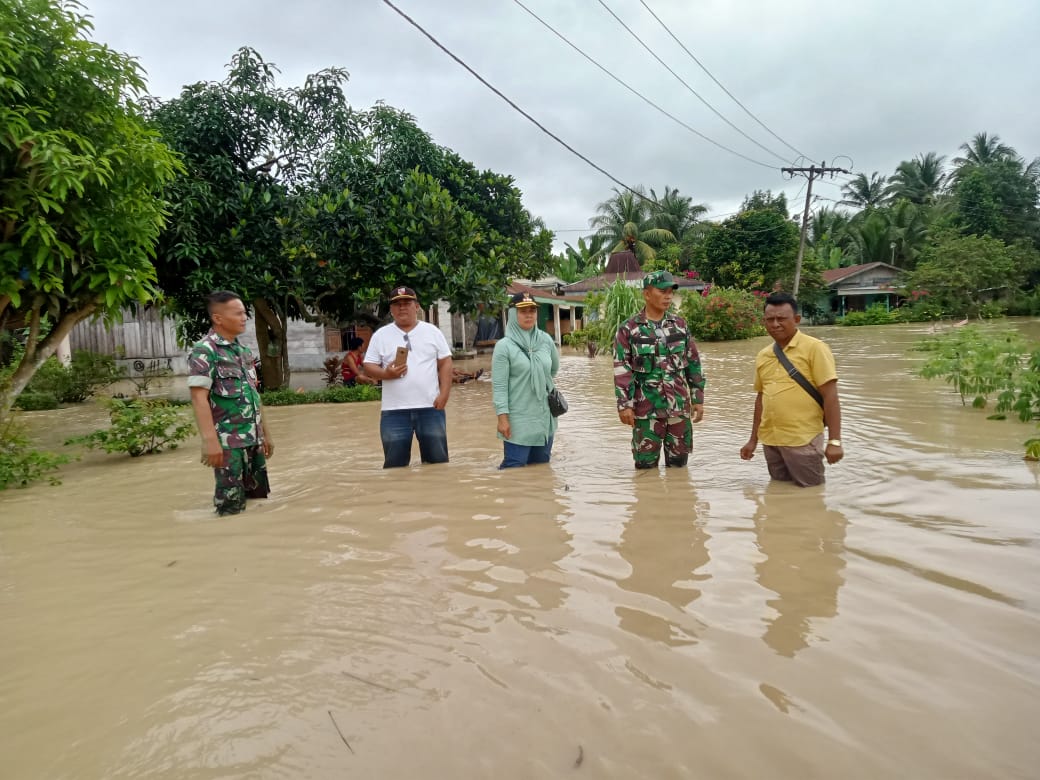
<point x="575" y="620"/>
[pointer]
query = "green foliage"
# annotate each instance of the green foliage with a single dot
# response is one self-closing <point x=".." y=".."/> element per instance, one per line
<point x="20" y="465"/>
<point x="85" y="374"/>
<point x="875" y="314"/>
<point x="982" y="365"/>
<point x="140" y="427"/>
<point x="921" y="310"/>
<point x="723" y="314"/>
<point x="750" y="250"/>
<point x="330" y="395"/>
<point x="30" y="401"/>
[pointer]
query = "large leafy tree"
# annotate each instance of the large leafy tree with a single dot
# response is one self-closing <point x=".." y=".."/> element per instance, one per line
<point x="753" y="249"/>
<point x="80" y="180"/>
<point x="250" y="148"/>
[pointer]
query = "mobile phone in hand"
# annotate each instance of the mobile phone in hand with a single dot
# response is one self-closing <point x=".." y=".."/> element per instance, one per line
<point x="401" y="358"/>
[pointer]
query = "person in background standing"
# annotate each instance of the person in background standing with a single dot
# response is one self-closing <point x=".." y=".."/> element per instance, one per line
<point x="226" y="402"/>
<point x="788" y="416"/>
<point x="522" y="369"/>
<point x="414" y="392"/>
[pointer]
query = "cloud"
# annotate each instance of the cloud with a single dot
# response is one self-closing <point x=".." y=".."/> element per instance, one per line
<point x="878" y="81"/>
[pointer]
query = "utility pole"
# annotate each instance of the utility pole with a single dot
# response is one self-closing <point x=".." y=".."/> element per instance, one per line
<point x="812" y="172"/>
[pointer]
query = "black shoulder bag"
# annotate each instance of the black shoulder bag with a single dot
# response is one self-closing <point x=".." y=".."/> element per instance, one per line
<point x="797" y="375"/>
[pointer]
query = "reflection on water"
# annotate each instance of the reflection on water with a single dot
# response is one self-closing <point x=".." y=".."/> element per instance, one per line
<point x="454" y="621"/>
<point x="803" y="544"/>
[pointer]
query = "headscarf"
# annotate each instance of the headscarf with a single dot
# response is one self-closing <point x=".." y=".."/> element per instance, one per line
<point x="530" y="342"/>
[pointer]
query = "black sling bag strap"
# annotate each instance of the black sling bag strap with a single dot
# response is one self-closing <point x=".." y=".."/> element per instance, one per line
<point x="797" y="375"/>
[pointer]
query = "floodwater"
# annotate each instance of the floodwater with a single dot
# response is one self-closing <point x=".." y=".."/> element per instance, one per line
<point x="574" y="620"/>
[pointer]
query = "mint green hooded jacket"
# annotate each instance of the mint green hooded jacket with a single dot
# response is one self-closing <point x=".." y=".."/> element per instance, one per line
<point x="522" y="370"/>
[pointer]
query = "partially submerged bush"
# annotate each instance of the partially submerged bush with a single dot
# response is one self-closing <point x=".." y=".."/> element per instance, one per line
<point x="331" y="395"/>
<point x="140" y="427"/>
<point x="20" y="465"/>
<point x="86" y="374"/>
<point x="35" y="402"/>
<point x="723" y="314"/>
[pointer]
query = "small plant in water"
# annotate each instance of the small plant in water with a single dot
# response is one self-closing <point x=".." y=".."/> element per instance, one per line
<point x="140" y="427"/>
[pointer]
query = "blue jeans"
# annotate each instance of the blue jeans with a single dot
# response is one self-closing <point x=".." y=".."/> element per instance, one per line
<point x="396" y="428"/>
<point x="519" y="455"/>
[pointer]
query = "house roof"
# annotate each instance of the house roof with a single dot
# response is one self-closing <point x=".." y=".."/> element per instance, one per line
<point x="834" y="275"/>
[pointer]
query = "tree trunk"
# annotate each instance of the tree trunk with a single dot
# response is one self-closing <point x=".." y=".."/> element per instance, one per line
<point x="272" y="344"/>
<point x="35" y="356"/>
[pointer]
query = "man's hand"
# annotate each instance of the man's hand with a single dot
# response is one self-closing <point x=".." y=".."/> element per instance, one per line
<point x="747" y="452"/>
<point x="268" y="447"/>
<point x="503" y="425"/>
<point x="213" y="455"/>
<point x="698" y="413"/>
<point x="833" y="453"/>
<point x="441" y="400"/>
<point x="396" y="372"/>
<point x="627" y="416"/>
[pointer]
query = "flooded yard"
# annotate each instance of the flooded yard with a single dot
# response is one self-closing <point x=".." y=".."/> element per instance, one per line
<point x="579" y="619"/>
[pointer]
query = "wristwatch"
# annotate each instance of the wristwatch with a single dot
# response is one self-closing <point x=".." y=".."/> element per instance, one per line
<point x="834" y="442"/>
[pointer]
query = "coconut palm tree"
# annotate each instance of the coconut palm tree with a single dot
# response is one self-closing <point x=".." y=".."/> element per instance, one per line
<point x="676" y="213"/>
<point x="625" y="221"/>
<point x="919" y="180"/>
<point x="983" y="149"/>
<point x="863" y="193"/>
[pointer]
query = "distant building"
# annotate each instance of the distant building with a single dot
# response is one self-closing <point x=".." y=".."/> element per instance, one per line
<point x="858" y="286"/>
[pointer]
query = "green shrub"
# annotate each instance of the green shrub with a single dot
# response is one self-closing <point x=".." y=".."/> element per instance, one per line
<point x="330" y="395"/>
<point x="1025" y="304"/>
<point x="875" y="314"/>
<point x="919" y="311"/>
<point x="20" y="466"/>
<point x="723" y="314"/>
<point x="140" y="427"/>
<point x="992" y="310"/>
<point x="87" y="373"/>
<point x="35" y="402"/>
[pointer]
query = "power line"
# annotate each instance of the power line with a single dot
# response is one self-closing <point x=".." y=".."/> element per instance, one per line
<point x="683" y="82"/>
<point x="638" y="94"/>
<point x="513" y="105"/>
<point x="719" y="83"/>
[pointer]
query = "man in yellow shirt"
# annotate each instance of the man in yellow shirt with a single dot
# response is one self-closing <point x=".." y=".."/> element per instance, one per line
<point x="788" y="418"/>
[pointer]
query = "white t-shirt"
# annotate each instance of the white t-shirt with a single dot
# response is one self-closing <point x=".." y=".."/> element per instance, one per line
<point x="419" y="387"/>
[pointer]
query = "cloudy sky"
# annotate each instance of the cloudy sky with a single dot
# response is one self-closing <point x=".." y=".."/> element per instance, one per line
<point x="875" y="80"/>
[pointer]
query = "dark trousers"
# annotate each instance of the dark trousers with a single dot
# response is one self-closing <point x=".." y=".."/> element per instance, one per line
<point x="244" y="475"/>
<point x="515" y="455"/>
<point x="396" y="428"/>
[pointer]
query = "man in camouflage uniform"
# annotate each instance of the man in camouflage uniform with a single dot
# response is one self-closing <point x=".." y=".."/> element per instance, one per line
<point x="657" y="378"/>
<point x="224" y="396"/>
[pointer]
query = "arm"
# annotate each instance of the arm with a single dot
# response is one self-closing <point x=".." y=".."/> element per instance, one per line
<point x="695" y="378"/>
<point x="747" y="452"/>
<point x="376" y="371"/>
<point x="623" y="377"/>
<point x="832" y="416"/>
<point x="212" y="452"/>
<point x="444" y="375"/>
<point x="500" y="387"/>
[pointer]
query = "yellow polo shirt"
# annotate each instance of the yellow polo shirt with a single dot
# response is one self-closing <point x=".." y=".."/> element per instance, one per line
<point x="790" y="416"/>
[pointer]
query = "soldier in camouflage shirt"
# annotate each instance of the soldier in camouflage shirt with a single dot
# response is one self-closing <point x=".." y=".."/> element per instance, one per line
<point x="657" y="378"/>
<point x="224" y="396"/>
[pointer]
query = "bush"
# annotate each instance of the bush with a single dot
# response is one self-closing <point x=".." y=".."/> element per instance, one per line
<point x="21" y="466"/>
<point x="992" y="310"/>
<point x="875" y="314"/>
<point x="919" y="311"/>
<point x="1025" y="304"/>
<point x="331" y="395"/>
<point x="140" y="427"/>
<point x="87" y="373"/>
<point x="723" y="314"/>
<point x="35" y="402"/>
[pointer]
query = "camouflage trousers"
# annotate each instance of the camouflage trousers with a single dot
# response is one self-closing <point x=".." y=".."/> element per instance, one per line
<point x="243" y="476"/>
<point x="675" y="433"/>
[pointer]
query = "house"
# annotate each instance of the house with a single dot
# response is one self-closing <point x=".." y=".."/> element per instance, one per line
<point x="858" y="286"/>
<point x="624" y="265"/>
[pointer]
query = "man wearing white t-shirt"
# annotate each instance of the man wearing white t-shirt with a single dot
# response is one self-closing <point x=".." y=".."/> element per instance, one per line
<point x="416" y="392"/>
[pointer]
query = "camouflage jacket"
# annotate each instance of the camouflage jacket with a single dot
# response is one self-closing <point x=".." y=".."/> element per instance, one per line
<point x="226" y="369"/>
<point x="657" y="368"/>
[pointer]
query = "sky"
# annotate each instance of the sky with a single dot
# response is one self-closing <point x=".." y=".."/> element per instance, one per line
<point x="860" y="85"/>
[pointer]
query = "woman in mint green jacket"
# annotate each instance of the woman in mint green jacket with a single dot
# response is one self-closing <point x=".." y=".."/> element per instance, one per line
<point x="522" y="370"/>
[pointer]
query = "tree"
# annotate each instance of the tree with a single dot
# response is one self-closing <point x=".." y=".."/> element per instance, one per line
<point x="863" y="193"/>
<point x="983" y="149"/>
<point x="626" y="221"/>
<point x="751" y="250"/>
<point x="961" y="272"/>
<point x="581" y="262"/>
<point x="81" y="176"/>
<point x="250" y="149"/>
<point x="920" y="180"/>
